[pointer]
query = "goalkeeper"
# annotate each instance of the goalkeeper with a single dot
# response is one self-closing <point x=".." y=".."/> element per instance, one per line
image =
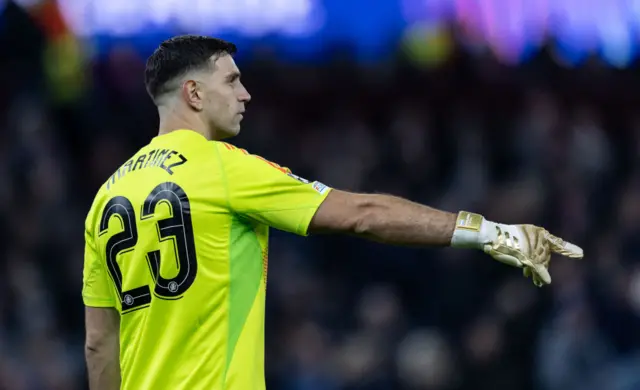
<point x="176" y="241"/>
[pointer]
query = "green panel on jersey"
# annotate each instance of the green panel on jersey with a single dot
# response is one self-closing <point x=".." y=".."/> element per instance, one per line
<point x="246" y="272"/>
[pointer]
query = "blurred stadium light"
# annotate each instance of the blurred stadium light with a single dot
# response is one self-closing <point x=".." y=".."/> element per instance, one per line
<point x="254" y="18"/>
<point x="512" y="29"/>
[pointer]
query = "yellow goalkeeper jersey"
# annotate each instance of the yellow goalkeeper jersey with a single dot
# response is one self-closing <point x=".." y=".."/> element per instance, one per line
<point x="176" y="240"/>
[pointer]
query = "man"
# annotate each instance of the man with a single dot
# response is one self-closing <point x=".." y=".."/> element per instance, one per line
<point x="176" y="239"/>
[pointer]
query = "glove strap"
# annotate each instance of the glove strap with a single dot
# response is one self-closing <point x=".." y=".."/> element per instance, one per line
<point x="467" y="231"/>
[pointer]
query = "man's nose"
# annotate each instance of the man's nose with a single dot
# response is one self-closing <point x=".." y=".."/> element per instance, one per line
<point x="244" y="97"/>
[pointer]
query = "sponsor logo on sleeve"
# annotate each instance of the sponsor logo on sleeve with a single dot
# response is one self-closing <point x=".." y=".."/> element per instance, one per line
<point x="319" y="187"/>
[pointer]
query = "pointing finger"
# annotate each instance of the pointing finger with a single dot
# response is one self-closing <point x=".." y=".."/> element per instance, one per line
<point x="563" y="247"/>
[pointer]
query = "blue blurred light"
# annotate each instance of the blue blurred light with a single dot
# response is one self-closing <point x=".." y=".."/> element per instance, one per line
<point x="617" y="47"/>
<point x="568" y="50"/>
<point x="305" y="28"/>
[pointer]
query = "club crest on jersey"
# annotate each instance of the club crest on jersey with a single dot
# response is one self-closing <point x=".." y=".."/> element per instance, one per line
<point x="319" y="187"/>
<point x="298" y="178"/>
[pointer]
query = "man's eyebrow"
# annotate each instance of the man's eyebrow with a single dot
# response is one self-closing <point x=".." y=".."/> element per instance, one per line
<point x="234" y="75"/>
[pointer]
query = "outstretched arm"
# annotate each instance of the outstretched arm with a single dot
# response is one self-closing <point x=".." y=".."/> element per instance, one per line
<point x="383" y="218"/>
<point x="398" y="221"/>
<point x="272" y="195"/>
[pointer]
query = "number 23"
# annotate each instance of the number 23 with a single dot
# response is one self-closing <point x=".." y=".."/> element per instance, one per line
<point x="177" y="228"/>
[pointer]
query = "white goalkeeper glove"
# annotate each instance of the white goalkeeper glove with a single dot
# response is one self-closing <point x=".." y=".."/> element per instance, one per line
<point x="523" y="246"/>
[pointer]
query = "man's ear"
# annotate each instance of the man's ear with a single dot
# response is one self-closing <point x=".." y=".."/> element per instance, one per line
<point x="193" y="94"/>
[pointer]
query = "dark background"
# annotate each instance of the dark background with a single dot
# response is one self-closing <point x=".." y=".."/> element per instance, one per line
<point x="533" y="143"/>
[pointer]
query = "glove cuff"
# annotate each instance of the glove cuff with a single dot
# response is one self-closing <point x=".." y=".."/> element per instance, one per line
<point x="467" y="233"/>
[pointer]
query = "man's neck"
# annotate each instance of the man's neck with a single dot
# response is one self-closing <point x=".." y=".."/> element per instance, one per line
<point x="168" y="129"/>
<point x="174" y="121"/>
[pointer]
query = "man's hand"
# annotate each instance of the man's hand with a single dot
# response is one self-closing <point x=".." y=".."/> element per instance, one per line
<point x="523" y="246"/>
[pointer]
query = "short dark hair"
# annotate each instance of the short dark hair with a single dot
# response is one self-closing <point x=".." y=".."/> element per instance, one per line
<point x="179" y="55"/>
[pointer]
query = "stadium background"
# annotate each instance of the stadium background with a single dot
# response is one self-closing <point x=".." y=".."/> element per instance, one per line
<point x="524" y="111"/>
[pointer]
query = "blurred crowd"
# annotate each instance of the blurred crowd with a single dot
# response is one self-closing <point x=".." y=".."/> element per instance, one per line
<point x="534" y="144"/>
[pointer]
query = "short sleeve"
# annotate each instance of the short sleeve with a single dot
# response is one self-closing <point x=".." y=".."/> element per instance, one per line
<point x="97" y="288"/>
<point x="268" y="193"/>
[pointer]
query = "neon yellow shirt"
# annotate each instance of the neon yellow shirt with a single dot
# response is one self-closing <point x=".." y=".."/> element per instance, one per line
<point x="176" y="241"/>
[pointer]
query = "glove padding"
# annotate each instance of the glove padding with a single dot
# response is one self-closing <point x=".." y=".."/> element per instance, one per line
<point x="529" y="247"/>
<point x="523" y="246"/>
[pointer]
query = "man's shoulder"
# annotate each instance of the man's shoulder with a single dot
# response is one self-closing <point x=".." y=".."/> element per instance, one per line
<point x="230" y="150"/>
<point x="245" y="159"/>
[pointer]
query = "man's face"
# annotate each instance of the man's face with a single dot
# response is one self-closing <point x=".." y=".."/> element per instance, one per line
<point x="224" y="97"/>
